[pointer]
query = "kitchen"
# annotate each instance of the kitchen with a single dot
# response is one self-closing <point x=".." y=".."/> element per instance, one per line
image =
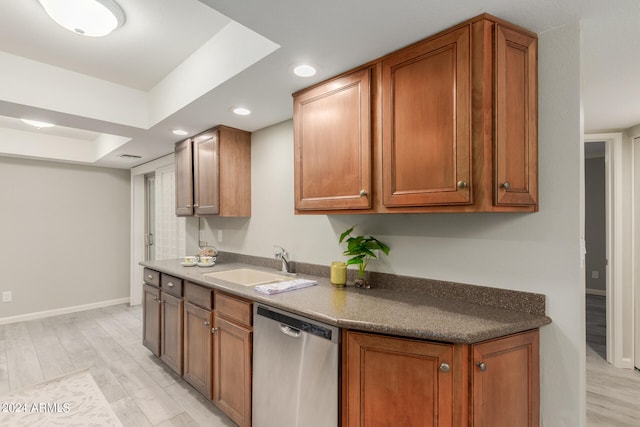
<point x="530" y="252"/>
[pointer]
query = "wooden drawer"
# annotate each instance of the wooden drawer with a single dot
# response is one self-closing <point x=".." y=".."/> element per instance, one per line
<point x="171" y="285"/>
<point x="234" y="308"/>
<point x="198" y="295"/>
<point x="151" y="277"/>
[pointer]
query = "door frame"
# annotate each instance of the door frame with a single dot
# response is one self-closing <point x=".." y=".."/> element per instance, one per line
<point x="614" y="246"/>
<point x="137" y="224"/>
<point x="636" y="246"/>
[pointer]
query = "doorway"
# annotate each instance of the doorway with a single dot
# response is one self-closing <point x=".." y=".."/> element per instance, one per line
<point x="596" y="246"/>
<point x="150" y="216"/>
<point x="618" y="289"/>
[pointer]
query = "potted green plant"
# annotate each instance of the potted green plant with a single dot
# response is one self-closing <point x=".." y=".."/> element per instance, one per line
<point x="361" y="249"/>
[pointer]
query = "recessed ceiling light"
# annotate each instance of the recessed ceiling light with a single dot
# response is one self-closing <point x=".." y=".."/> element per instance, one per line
<point x="94" y="18"/>
<point x="180" y="132"/>
<point x="304" y="70"/>
<point x="241" y="111"/>
<point x="37" y="124"/>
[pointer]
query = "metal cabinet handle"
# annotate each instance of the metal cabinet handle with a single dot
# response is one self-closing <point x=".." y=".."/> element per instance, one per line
<point x="195" y="205"/>
<point x="149" y="276"/>
<point x="506" y="185"/>
<point x="363" y="192"/>
<point x="206" y="323"/>
<point x="462" y="185"/>
<point x="155" y="299"/>
<point x="482" y="366"/>
<point x="187" y="206"/>
<point x="170" y="284"/>
<point x="444" y="367"/>
<point x="214" y="330"/>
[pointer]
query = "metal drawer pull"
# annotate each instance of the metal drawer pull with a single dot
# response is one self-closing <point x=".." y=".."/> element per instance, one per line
<point x="206" y="323"/>
<point x="462" y="185"/>
<point x="482" y="366"/>
<point x="505" y="185"/>
<point x="363" y="193"/>
<point x="214" y="330"/>
<point x="149" y="276"/>
<point x="170" y="284"/>
<point x="444" y="367"/>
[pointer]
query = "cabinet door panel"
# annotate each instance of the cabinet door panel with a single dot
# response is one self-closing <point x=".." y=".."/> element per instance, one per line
<point x="506" y="388"/>
<point x="232" y="372"/>
<point x="393" y="381"/>
<point x="151" y="319"/>
<point x="426" y="123"/>
<point x="516" y="118"/>
<point x="171" y="331"/>
<point x="332" y="126"/>
<point x="198" y="348"/>
<point x="184" y="178"/>
<point x="206" y="173"/>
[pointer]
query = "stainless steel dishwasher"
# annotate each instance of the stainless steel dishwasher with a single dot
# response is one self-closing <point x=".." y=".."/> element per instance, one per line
<point x="295" y="370"/>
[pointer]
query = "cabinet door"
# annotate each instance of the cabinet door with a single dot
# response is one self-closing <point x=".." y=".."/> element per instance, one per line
<point x="332" y="128"/>
<point x="393" y="381"/>
<point x="206" y="163"/>
<point x="506" y="382"/>
<point x="426" y="121"/>
<point x="171" y="331"/>
<point x="198" y="348"/>
<point x="184" y="178"/>
<point x="151" y="319"/>
<point x="516" y="115"/>
<point x="232" y="371"/>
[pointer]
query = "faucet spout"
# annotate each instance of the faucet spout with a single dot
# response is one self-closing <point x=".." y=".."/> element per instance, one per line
<point x="282" y="255"/>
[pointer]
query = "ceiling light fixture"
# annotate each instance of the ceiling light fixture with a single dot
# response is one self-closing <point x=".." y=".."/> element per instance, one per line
<point x="180" y="132"/>
<point x="241" y="111"/>
<point x="93" y="18"/>
<point x="304" y="70"/>
<point x="37" y="124"/>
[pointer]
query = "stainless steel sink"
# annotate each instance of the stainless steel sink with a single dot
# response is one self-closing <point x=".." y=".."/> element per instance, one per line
<point x="247" y="276"/>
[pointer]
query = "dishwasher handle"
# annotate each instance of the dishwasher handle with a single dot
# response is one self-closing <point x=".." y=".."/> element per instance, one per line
<point x="289" y="331"/>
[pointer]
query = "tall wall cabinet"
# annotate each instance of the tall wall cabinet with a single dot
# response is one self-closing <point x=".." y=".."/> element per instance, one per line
<point x="448" y="124"/>
<point x="213" y="173"/>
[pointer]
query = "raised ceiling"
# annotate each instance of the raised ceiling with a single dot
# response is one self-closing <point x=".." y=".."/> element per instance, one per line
<point x="185" y="63"/>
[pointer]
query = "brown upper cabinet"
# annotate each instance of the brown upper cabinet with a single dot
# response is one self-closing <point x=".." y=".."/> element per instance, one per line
<point x="332" y="125"/>
<point x="448" y="124"/>
<point x="213" y="173"/>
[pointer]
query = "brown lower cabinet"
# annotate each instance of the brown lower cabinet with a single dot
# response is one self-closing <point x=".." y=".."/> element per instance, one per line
<point x="198" y="348"/>
<point x="397" y="381"/>
<point x="233" y="355"/>
<point x="151" y="318"/>
<point x="171" y="322"/>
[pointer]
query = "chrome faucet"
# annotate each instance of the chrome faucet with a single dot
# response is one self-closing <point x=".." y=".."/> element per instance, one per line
<point x="282" y="255"/>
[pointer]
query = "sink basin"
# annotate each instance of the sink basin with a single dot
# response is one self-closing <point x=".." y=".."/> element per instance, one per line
<point x="246" y="276"/>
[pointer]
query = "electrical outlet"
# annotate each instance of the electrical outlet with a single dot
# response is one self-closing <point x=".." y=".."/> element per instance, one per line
<point x="6" y="296"/>
<point x="595" y="274"/>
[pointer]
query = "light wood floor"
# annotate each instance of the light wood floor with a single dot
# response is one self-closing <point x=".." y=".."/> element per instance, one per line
<point x="140" y="389"/>
<point x="613" y="395"/>
<point x="144" y="392"/>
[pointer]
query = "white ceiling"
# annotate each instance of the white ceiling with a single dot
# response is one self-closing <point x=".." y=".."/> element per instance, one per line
<point x="185" y="63"/>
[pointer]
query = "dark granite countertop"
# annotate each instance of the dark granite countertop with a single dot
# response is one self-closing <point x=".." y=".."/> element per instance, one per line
<point x="438" y="311"/>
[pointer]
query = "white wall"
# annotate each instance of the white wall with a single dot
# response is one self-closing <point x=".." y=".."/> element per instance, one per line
<point x="64" y="235"/>
<point x="537" y="252"/>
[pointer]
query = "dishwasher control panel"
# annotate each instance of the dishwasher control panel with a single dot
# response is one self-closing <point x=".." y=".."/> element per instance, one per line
<point x="323" y="331"/>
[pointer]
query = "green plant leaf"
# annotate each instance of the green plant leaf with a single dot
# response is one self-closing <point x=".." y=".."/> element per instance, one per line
<point x="345" y="234"/>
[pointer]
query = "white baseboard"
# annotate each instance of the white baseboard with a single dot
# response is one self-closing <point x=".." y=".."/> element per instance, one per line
<point x="596" y="292"/>
<point x="59" y="311"/>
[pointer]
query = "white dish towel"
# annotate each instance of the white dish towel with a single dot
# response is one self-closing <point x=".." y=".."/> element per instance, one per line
<point x="289" y="285"/>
